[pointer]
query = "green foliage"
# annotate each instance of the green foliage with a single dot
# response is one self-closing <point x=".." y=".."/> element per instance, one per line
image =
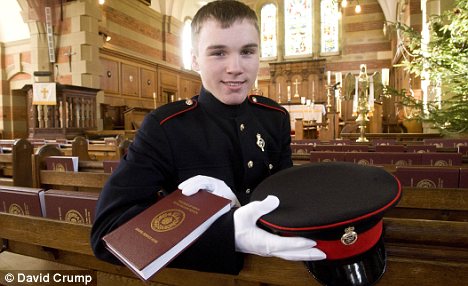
<point x="445" y="59"/>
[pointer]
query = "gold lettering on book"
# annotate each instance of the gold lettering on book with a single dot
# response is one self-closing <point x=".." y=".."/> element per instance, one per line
<point x="187" y="206"/>
<point x="146" y="235"/>
<point x="167" y="220"/>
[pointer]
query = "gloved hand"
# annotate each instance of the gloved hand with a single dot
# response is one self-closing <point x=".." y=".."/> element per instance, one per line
<point x="252" y="239"/>
<point x="213" y="185"/>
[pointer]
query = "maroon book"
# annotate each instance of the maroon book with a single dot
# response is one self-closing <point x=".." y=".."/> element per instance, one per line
<point x="323" y="156"/>
<point x="463" y="184"/>
<point x="150" y="240"/>
<point x="22" y="200"/>
<point x="428" y="177"/>
<point x="390" y="148"/>
<point x="441" y="159"/>
<point x="302" y="148"/>
<point x="62" y="163"/>
<point x="421" y="148"/>
<point x="362" y="158"/>
<point x="355" y="148"/>
<point x="329" y="148"/>
<point x="109" y="166"/>
<point x="71" y="206"/>
<point x="398" y="158"/>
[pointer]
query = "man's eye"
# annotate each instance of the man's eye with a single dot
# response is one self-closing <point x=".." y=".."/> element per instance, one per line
<point x="248" y="52"/>
<point x="218" y="53"/>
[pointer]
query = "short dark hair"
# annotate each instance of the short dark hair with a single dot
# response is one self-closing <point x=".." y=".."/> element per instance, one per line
<point x="226" y="12"/>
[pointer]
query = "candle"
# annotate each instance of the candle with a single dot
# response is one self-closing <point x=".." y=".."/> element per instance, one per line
<point x="154" y="99"/>
<point x="328" y="77"/>
<point x="338" y="78"/>
<point x="385" y="76"/>
<point x="289" y="93"/>
<point x="256" y="83"/>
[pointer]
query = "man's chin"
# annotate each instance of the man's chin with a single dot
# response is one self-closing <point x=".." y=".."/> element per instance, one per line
<point x="233" y="98"/>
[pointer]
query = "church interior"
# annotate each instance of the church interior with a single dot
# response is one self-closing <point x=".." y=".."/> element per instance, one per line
<point x="79" y="76"/>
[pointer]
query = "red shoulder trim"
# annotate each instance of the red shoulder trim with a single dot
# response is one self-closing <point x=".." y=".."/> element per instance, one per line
<point x="257" y="100"/>
<point x="192" y="106"/>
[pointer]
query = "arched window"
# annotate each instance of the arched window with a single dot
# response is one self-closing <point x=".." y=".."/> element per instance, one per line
<point x="187" y="44"/>
<point x="268" y="32"/>
<point x="329" y="26"/>
<point x="297" y="27"/>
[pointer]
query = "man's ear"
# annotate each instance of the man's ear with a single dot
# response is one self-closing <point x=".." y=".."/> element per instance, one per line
<point x="195" y="65"/>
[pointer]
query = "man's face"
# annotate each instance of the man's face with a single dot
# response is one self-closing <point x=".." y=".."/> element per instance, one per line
<point x="227" y="59"/>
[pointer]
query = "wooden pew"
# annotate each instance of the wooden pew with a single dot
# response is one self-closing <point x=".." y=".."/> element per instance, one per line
<point x="98" y="150"/>
<point x="85" y="181"/>
<point x="422" y="251"/>
<point x="16" y="166"/>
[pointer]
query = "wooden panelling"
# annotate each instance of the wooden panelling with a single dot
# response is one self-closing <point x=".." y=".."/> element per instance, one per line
<point x="130" y="79"/>
<point x="148" y="83"/>
<point x="168" y="78"/>
<point x="110" y="77"/>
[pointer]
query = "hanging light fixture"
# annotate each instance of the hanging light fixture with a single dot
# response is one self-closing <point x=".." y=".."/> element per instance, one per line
<point x="346" y="3"/>
<point x="357" y="9"/>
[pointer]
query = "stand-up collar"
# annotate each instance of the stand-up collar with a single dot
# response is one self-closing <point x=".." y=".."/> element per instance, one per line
<point x="213" y="105"/>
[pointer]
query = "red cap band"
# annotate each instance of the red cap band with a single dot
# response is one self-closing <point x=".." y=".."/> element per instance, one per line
<point x="351" y="243"/>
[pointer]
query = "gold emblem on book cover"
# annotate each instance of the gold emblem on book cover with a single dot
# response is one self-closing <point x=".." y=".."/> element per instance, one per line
<point x="74" y="216"/>
<point x="167" y="220"/>
<point x="426" y="183"/>
<point x="15" y="209"/>
<point x="59" y="167"/>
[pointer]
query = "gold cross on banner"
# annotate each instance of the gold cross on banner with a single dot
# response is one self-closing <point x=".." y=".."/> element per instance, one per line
<point x="44" y="92"/>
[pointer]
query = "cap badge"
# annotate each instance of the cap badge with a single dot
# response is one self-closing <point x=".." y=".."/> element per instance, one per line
<point x="189" y="102"/>
<point x="260" y="142"/>
<point x="349" y="237"/>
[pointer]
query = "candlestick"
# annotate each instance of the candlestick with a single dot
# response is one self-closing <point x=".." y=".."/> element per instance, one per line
<point x="328" y="77"/>
<point x="339" y="78"/>
<point x="385" y="76"/>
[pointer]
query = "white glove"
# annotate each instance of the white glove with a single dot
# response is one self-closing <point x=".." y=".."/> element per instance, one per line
<point x="252" y="239"/>
<point x="213" y="185"/>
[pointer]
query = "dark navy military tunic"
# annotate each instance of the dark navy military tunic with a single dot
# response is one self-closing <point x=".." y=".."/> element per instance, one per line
<point x="241" y="145"/>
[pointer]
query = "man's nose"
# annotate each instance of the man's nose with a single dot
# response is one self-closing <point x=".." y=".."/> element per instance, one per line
<point x="234" y="64"/>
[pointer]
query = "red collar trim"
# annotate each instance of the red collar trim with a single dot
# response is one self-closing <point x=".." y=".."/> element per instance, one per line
<point x="194" y="105"/>
<point x="255" y="101"/>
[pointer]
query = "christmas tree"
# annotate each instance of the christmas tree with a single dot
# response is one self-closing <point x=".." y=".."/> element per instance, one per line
<point x="444" y="61"/>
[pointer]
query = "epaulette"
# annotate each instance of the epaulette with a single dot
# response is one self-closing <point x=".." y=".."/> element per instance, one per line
<point x="265" y="102"/>
<point x="171" y="110"/>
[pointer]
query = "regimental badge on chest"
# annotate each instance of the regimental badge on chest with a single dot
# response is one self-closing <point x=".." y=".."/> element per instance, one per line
<point x="260" y="142"/>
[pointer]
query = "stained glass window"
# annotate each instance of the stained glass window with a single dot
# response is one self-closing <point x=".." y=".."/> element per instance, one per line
<point x="297" y="27"/>
<point x="187" y="44"/>
<point x="329" y="26"/>
<point x="268" y="30"/>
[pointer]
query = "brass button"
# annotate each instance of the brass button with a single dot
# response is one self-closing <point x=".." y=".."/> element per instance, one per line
<point x="254" y="99"/>
<point x="247" y="191"/>
<point x="270" y="166"/>
<point x="242" y="127"/>
<point x="189" y="102"/>
<point x="250" y="164"/>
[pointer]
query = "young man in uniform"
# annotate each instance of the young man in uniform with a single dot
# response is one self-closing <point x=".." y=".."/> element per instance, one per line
<point x="222" y="140"/>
